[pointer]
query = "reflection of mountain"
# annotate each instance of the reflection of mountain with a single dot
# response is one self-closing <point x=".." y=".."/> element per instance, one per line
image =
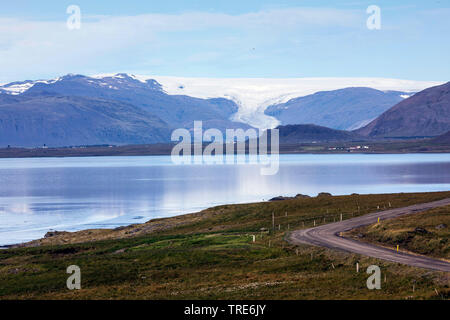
<point x="427" y="113"/>
<point x="343" y="109"/>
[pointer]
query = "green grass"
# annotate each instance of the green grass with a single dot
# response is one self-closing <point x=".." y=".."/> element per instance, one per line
<point x="213" y="257"/>
<point x="428" y="240"/>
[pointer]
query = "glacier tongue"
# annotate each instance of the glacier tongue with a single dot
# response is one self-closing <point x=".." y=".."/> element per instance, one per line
<point x="254" y="95"/>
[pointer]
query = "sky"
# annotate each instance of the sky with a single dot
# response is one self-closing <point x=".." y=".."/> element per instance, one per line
<point x="226" y="39"/>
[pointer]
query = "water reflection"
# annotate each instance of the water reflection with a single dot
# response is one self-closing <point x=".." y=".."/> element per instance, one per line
<point x="76" y="193"/>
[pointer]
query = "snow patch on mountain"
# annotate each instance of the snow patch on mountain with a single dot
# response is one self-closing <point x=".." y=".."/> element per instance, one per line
<point x="16" y="88"/>
<point x="254" y="95"/>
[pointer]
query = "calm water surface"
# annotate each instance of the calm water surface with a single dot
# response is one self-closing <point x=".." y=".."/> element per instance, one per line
<point x="37" y="195"/>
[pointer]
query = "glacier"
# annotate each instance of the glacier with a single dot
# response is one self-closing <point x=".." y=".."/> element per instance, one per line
<point x="252" y="95"/>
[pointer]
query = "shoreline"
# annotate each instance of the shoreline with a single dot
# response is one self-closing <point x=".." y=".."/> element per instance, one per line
<point x="130" y="229"/>
<point x="374" y="147"/>
<point x="225" y="252"/>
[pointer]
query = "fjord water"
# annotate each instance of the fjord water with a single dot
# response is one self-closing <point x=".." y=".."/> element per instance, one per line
<point x="42" y="194"/>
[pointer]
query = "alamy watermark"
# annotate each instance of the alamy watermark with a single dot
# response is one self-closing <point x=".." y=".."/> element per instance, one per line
<point x="74" y="281"/>
<point x="74" y="20"/>
<point x="238" y="146"/>
<point x="374" y="20"/>
<point x="374" y="281"/>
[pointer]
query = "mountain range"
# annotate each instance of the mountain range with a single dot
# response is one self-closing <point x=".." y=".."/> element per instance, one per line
<point x="125" y="109"/>
<point x="81" y="110"/>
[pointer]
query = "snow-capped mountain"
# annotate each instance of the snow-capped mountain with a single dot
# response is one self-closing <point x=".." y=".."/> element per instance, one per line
<point x="81" y="110"/>
<point x="343" y="109"/>
<point x="251" y="95"/>
<point x="16" y="88"/>
<point x="254" y="95"/>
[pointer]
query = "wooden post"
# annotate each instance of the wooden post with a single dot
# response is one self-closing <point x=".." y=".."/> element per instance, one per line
<point x="357" y="267"/>
<point x="314" y="223"/>
<point x="385" y="279"/>
<point x="389" y="204"/>
<point x="311" y="256"/>
<point x="279" y="227"/>
<point x="341" y="216"/>
<point x="254" y="238"/>
<point x="273" y="220"/>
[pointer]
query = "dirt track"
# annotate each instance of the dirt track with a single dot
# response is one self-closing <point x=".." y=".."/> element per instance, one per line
<point x="328" y="236"/>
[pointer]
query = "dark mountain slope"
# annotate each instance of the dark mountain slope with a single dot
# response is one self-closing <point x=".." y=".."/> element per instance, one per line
<point x="444" y="138"/>
<point x="62" y="121"/>
<point x="425" y="114"/>
<point x="305" y="133"/>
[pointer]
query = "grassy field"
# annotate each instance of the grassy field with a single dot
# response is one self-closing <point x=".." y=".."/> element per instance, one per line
<point x="211" y="255"/>
<point x="426" y="233"/>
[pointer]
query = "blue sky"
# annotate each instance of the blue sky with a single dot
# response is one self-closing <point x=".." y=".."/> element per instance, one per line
<point x="210" y="38"/>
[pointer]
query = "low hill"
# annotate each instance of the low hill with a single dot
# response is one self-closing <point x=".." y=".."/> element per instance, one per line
<point x="304" y="133"/>
<point x="442" y="139"/>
